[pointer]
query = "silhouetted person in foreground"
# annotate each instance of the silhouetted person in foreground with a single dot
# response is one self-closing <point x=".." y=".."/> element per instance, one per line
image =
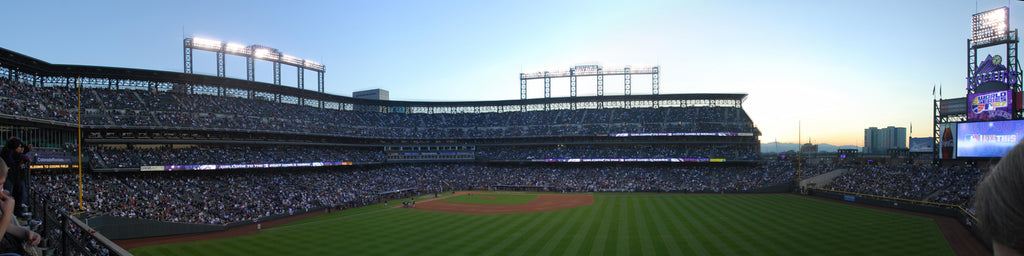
<point x="999" y="203"/>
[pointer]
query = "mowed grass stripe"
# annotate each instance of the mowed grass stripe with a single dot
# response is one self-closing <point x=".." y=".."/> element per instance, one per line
<point x="807" y="221"/>
<point x="725" y="221"/>
<point x="457" y="228"/>
<point x="850" y="230"/>
<point x="413" y="233"/>
<point x="871" y="234"/>
<point x="585" y="234"/>
<point x="694" y="212"/>
<point x="820" y="222"/>
<point x="660" y="219"/>
<point x="560" y="238"/>
<point x="616" y="224"/>
<point x="516" y="232"/>
<point x="483" y="235"/>
<point x="599" y="244"/>
<point x="642" y="224"/>
<point x="673" y="213"/>
<point x="474" y="240"/>
<point x="623" y="229"/>
<point x="798" y="217"/>
<point x="502" y="226"/>
<point x="769" y="224"/>
<point x="536" y="239"/>
<point x="741" y="224"/>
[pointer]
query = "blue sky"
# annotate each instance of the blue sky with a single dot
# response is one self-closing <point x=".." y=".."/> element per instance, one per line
<point x="837" y="67"/>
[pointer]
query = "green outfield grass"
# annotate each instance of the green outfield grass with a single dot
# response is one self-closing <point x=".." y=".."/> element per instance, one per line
<point x="491" y="199"/>
<point x="616" y="224"/>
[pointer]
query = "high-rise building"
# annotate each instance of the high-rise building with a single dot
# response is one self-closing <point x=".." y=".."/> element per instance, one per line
<point x="881" y="140"/>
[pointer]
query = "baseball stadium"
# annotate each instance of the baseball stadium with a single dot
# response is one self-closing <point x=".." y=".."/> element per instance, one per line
<point x="125" y="161"/>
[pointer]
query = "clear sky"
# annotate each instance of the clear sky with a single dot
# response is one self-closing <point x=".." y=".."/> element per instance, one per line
<point x="837" y="67"/>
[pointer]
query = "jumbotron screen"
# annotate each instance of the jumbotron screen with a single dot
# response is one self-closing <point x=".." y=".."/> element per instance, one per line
<point x="990" y="106"/>
<point x="988" y="139"/>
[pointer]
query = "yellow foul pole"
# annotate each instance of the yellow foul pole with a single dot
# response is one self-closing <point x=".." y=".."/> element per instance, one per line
<point x="80" y="207"/>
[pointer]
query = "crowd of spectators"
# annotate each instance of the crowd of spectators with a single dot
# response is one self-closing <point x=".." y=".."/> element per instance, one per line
<point x="726" y="151"/>
<point x="140" y="108"/>
<point x="126" y="157"/>
<point x="950" y="185"/>
<point x="20" y="99"/>
<point x="961" y="186"/>
<point x="220" y="197"/>
<point x="902" y="181"/>
<point x="132" y="157"/>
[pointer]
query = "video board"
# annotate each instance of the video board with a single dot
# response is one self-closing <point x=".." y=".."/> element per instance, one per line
<point x="988" y="139"/>
<point x="990" y="106"/>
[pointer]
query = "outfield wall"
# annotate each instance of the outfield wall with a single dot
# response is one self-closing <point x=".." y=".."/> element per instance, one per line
<point x="117" y="228"/>
<point x="126" y="228"/>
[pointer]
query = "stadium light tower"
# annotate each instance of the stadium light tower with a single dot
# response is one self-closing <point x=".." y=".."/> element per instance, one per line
<point x="991" y="28"/>
<point x="252" y="53"/>
<point x="988" y="28"/>
<point x="590" y="70"/>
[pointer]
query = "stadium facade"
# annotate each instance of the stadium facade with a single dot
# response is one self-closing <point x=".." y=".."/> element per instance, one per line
<point x="146" y="121"/>
<point x="130" y="107"/>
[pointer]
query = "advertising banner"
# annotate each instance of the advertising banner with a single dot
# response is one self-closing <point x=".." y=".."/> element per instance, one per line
<point x="921" y="145"/>
<point x="239" y="166"/>
<point x="947" y="143"/>
<point x="636" y="160"/>
<point x="54" y="160"/>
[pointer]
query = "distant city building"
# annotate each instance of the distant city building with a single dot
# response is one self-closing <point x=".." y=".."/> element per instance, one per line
<point x="808" y="148"/>
<point x="881" y="140"/>
<point x="375" y="94"/>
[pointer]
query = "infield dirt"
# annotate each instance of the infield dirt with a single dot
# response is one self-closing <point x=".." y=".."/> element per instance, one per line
<point x="544" y="202"/>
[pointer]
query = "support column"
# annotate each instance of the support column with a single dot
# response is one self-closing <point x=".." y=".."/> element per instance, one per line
<point x="547" y="85"/>
<point x="250" y="69"/>
<point x="628" y="81"/>
<point x="600" y="87"/>
<point x="188" y="58"/>
<point x="654" y="87"/>
<point x="522" y="86"/>
<point x="277" y="73"/>
<point x="221" y="69"/>
<point x="302" y="79"/>
<point x="572" y="88"/>
<point x="320" y="81"/>
<point x="547" y="89"/>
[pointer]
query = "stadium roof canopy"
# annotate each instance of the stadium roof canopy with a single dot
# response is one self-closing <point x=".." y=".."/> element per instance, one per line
<point x="23" y="64"/>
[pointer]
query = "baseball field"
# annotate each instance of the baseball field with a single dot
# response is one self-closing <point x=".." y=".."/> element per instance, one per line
<point x="613" y="224"/>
